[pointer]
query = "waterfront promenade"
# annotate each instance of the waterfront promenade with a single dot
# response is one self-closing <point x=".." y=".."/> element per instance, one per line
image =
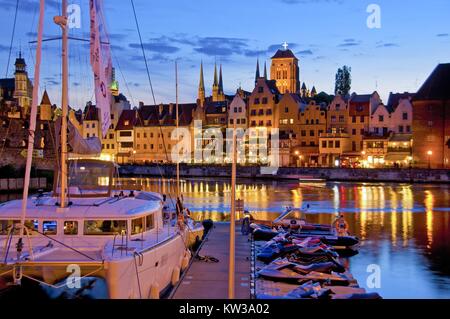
<point x="402" y="175"/>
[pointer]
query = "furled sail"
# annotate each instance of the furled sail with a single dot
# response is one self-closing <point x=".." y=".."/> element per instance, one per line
<point x="101" y="63"/>
<point x="78" y="144"/>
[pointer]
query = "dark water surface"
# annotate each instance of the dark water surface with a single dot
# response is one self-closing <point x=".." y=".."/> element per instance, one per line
<point x="404" y="228"/>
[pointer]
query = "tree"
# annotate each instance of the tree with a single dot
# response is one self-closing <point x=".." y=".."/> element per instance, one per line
<point x="343" y="80"/>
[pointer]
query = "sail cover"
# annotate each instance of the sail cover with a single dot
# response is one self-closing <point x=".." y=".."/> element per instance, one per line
<point x="77" y="144"/>
<point x="101" y="63"/>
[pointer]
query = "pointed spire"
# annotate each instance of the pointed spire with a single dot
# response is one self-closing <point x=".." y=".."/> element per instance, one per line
<point x="215" y="74"/>
<point x="201" y="85"/>
<point x="257" y="75"/>
<point x="45" y="99"/>
<point x="220" y="80"/>
<point x="265" y="70"/>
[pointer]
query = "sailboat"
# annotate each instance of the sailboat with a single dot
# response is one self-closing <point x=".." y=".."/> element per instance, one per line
<point x="88" y="226"/>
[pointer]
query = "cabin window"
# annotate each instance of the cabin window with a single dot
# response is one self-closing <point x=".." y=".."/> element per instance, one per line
<point x="5" y="225"/>
<point x="104" y="227"/>
<point x="32" y="225"/>
<point x="149" y="222"/>
<point x="70" y="227"/>
<point x="49" y="227"/>
<point x="137" y="226"/>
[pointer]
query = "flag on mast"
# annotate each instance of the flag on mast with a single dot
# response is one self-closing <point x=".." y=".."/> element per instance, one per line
<point x="101" y="63"/>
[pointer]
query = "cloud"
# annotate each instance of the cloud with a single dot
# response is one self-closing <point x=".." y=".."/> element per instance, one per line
<point x="442" y="35"/>
<point x="158" y="45"/>
<point x="255" y="53"/>
<point x="388" y="45"/>
<point x="4" y="47"/>
<point x="304" y="52"/>
<point x="220" y="46"/>
<point x="349" y="43"/>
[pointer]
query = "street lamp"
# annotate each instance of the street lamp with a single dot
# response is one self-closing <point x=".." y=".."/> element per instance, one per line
<point x="429" y="153"/>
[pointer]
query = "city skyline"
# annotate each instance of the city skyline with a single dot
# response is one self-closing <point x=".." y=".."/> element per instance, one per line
<point x="401" y="43"/>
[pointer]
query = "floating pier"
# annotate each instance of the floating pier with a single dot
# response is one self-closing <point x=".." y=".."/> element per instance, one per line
<point x="209" y="280"/>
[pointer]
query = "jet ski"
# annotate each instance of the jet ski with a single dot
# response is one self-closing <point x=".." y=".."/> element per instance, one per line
<point x="284" y="270"/>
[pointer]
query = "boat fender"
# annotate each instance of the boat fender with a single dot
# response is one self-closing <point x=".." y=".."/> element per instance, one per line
<point x="185" y="262"/>
<point x="175" y="276"/>
<point x="154" y="291"/>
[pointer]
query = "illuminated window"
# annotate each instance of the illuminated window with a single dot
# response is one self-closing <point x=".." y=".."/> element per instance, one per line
<point x="70" y="228"/>
<point x="104" y="227"/>
<point x="50" y="227"/>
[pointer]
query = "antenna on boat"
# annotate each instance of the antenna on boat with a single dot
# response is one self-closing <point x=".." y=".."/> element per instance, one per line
<point x="33" y="115"/>
<point x="62" y="22"/>
<point x="231" y="268"/>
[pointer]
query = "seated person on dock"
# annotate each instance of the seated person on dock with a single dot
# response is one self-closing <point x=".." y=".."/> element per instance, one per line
<point x="341" y="226"/>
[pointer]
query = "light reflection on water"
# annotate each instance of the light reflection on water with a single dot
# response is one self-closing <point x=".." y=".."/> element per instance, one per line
<point x="403" y="228"/>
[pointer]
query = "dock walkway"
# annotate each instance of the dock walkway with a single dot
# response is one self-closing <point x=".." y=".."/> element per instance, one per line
<point x="206" y="280"/>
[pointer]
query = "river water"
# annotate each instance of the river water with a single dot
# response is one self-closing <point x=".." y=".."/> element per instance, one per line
<point x="404" y="229"/>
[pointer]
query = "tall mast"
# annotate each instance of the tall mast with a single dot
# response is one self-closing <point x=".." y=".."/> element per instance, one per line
<point x="33" y="115"/>
<point x="62" y="22"/>
<point x="231" y="268"/>
<point x="177" y="119"/>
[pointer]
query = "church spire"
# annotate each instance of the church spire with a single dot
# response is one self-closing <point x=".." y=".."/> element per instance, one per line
<point x="257" y="75"/>
<point x="201" y="86"/>
<point x="265" y="70"/>
<point x="220" y="81"/>
<point x="215" y="74"/>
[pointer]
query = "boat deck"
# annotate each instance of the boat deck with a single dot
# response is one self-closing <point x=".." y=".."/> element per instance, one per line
<point x="206" y="280"/>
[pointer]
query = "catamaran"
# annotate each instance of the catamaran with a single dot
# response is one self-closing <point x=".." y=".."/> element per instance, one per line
<point x="89" y="225"/>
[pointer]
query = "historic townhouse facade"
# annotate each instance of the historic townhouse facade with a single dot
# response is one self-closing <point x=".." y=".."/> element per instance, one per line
<point x="313" y="123"/>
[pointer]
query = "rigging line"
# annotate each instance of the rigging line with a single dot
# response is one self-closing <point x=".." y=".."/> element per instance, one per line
<point x="143" y="51"/>
<point x="12" y="38"/>
<point x="151" y="87"/>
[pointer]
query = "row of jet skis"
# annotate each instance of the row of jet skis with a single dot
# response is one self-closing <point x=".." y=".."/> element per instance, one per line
<point x="308" y="256"/>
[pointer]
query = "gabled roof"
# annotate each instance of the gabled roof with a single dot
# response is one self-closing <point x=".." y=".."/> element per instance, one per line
<point x="283" y="54"/>
<point x="394" y="99"/>
<point x="272" y="84"/>
<point x="91" y="113"/>
<point x="360" y="98"/>
<point x="437" y="86"/>
<point x="294" y="96"/>
<point x="150" y="114"/>
<point x="129" y="116"/>
<point x="216" y="107"/>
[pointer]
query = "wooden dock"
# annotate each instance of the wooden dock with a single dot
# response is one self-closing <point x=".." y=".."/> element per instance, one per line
<point x="207" y="280"/>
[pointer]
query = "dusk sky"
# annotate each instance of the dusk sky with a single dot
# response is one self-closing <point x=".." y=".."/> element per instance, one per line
<point x="324" y="34"/>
